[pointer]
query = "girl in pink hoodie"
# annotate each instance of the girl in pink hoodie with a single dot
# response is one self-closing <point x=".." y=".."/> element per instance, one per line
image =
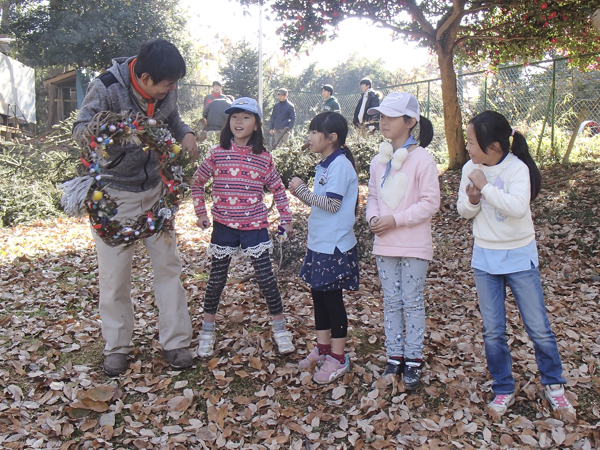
<point x="404" y="194"/>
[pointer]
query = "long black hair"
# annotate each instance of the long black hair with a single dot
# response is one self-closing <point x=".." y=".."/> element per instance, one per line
<point x="425" y="130"/>
<point x="257" y="141"/>
<point x="492" y="127"/>
<point x="330" y="122"/>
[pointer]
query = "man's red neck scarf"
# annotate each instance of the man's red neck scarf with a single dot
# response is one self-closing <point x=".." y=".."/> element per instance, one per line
<point x="150" y="101"/>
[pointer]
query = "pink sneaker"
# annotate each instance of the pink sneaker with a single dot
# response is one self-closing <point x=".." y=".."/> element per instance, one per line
<point x="555" y="394"/>
<point x="501" y="403"/>
<point x="331" y="370"/>
<point x="312" y="356"/>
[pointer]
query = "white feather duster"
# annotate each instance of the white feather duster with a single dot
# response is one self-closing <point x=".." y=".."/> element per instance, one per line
<point x="75" y="192"/>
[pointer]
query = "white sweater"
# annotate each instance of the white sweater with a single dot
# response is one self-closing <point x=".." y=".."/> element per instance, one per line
<point x="502" y="217"/>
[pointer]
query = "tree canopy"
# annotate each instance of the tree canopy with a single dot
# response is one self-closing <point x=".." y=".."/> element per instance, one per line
<point x="496" y="31"/>
<point x="88" y="33"/>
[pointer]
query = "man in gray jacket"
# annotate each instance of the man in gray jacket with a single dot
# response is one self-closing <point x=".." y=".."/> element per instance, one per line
<point x="146" y="84"/>
<point x="215" y="114"/>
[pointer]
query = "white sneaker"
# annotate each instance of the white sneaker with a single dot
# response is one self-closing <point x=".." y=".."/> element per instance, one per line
<point x="283" y="339"/>
<point x="501" y="403"/>
<point x="206" y="344"/>
<point x="555" y="394"/>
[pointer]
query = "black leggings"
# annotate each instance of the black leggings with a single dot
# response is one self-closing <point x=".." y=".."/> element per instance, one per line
<point x="264" y="276"/>
<point x="330" y="313"/>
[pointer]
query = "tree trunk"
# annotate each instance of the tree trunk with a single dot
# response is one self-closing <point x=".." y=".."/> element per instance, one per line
<point x="457" y="154"/>
<point x="4" y="8"/>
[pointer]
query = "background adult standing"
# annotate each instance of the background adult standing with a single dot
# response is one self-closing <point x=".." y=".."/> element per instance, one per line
<point x="215" y="94"/>
<point x="369" y="99"/>
<point x="215" y="114"/>
<point x="282" y="119"/>
<point x="330" y="103"/>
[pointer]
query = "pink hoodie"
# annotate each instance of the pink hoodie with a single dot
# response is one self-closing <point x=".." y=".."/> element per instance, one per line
<point x="412" y="196"/>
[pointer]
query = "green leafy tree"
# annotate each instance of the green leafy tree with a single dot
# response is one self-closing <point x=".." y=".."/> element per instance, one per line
<point x="469" y="31"/>
<point x="240" y="74"/>
<point x="88" y="33"/>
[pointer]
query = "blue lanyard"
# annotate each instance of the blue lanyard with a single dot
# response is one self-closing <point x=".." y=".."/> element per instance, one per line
<point x="410" y="141"/>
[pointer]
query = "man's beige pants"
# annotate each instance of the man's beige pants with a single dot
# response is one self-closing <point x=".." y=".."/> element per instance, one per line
<point x="114" y="264"/>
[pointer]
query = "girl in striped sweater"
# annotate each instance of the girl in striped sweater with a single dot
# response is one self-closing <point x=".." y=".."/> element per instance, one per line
<point x="331" y="261"/>
<point x="241" y="167"/>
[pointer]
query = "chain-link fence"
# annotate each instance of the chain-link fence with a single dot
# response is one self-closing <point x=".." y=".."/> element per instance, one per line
<point x="542" y="100"/>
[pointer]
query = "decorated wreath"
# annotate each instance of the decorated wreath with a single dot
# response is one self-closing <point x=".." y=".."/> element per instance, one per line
<point x="87" y="193"/>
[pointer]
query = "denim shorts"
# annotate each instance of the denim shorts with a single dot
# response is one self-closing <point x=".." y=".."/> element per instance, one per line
<point x="225" y="241"/>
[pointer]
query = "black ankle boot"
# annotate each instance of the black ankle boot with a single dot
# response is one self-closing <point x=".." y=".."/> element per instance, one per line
<point x="412" y="373"/>
<point x="393" y="367"/>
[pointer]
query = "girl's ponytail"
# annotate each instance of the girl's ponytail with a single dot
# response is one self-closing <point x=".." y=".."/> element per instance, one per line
<point x="520" y="149"/>
<point x="425" y="131"/>
<point x="349" y="155"/>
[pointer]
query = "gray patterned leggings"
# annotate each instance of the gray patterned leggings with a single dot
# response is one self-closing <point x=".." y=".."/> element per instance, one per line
<point x="264" y="276"/>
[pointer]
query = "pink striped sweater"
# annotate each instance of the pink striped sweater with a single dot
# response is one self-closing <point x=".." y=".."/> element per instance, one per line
<point x="238" y="180"/>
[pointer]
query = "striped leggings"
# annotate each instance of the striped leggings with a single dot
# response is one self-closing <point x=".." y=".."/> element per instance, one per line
<point x="264" y="275"/>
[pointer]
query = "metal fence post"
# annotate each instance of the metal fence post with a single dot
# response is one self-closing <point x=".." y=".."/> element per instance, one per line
<point x="553" y="105"/>
<point x="545" y="120"/>
<point x="428" y="96"/>
<point x="485" y="92"/>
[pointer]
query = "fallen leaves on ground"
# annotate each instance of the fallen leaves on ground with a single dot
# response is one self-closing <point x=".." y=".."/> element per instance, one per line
<point x="55" y="395"/>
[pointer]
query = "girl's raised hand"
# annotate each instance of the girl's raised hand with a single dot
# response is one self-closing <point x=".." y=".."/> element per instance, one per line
<point x="288" y="229"/>
<point x="203" y="222"/>
<point x="294" y="183"/>
<point x="383" y="224"/>
<point x="478" y="178"/>
<point x="474" y="194"/>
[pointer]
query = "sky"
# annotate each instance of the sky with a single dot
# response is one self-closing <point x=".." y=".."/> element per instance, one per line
<point x="225" y="18"/>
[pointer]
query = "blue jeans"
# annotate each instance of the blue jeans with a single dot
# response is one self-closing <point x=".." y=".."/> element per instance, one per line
<point x="403" y="282"/>
<point x="527" y="290"/>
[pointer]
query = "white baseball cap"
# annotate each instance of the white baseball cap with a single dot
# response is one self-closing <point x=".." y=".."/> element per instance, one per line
<point x="398" y="104"/>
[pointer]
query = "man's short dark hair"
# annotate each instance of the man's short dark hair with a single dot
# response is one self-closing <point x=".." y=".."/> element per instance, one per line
<point x="366" y="81"/>
<point x="161" y="60"/>
<point x="216" y="83"/>
<point x="328" y="87"/>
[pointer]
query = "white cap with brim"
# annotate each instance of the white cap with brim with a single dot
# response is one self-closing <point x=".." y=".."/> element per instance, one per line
<point x="398" y="104"/>
<point x="247" y="104"/>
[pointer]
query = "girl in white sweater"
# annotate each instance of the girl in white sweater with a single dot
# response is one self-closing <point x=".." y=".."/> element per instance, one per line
<point x="497" y="186"/>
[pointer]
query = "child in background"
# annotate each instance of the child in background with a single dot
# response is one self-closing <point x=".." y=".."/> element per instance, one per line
<point x="404" y="193"/>
<point x="496" y="188"/>
<point x="240" y="167"/>
<point x="331" y="262"/>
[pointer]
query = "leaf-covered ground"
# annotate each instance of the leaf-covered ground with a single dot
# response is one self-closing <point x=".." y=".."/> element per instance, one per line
<point x="54" y="394"/>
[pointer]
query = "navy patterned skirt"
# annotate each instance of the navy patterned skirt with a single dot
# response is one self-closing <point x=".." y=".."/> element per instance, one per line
<point x="325" y="272"/>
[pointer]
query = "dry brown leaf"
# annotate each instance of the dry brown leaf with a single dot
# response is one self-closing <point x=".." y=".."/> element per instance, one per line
<point x="212" y="364"/>
<point x="255" y="362"/>
<point x="77" y="413"/>
<point x="90" y="404"/>
<point x="242" y="400"/>
<point x="507" y="440"/>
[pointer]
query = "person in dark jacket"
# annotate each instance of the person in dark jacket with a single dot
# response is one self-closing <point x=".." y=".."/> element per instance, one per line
<point x="329" y="101"/>
<point x="215" y="94"/>
<point x="282" y="119"/>
<point x="147" y="84"/>
<point x="369" y="99"/>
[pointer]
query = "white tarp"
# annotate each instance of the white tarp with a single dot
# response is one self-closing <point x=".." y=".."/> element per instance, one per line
<point x="17" y="86"/>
